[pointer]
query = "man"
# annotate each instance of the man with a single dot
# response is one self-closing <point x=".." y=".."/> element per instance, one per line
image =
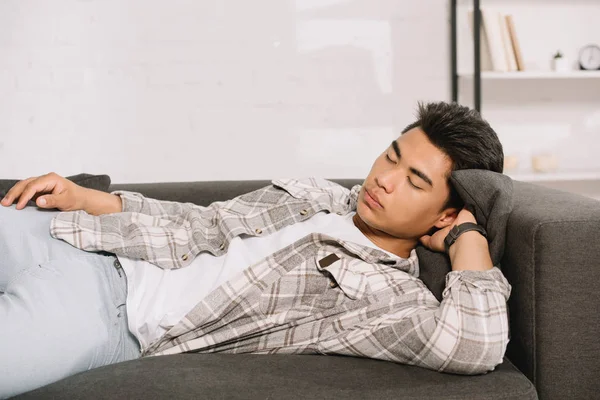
<point x="301" y="266"/>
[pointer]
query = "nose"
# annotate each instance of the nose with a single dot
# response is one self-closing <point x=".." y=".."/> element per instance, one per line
<point x="388" y="179"/>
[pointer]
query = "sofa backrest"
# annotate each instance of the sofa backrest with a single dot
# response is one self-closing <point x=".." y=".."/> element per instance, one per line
<point x="206" y="192"/>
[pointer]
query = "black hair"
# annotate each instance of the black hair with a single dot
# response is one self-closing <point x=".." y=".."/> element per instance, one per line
<point x="463" y="135"/>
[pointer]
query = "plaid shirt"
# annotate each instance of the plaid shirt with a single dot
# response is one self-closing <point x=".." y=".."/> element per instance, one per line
<point x="319" y="295"/>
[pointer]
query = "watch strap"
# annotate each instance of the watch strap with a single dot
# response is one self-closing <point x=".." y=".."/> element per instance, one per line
<point x="458" y="230"/>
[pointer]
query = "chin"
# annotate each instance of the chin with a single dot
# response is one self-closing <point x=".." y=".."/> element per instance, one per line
<point x="367" y="218"/>
<point x="361" y="210"/>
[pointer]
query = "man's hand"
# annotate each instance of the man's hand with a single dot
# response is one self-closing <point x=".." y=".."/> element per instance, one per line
<point x="48" y="191"/>
<point x="469" y="252"/>
<point x="435" y="242"/>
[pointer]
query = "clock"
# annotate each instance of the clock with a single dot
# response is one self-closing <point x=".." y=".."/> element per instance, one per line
<point x="589" y="57"/>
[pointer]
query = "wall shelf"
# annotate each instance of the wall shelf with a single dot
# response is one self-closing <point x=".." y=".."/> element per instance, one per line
<point x="557" y="176"/>
<point x="537" y="75"/>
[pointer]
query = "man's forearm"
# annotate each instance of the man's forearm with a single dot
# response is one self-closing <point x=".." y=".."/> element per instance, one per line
<point x="470" y="252"/>
<point x="97" y="202"/>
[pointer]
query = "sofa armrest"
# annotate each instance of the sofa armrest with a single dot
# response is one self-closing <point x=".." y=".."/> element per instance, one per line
<point x="552" y="260"/>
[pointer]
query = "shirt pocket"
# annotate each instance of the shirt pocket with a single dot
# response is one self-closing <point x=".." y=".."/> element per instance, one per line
<point x="313" y="287"/>
<point x="353" y="284"/>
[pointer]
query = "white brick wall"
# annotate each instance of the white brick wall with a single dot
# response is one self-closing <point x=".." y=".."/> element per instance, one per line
<point x="192" y="90"/>
<point x="149" y="90"/>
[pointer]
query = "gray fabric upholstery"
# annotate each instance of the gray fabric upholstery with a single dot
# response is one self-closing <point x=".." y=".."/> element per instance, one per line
<point x="489" y="195"/>
<point x="252" y="376"/>
<point x="552" y="261"/>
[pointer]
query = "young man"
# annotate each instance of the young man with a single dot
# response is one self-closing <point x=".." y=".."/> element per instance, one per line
<point x="301" y="266"/>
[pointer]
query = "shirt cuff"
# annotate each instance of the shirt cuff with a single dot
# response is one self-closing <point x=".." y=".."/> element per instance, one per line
<point x="130" y="201"/>
<point x="489" y="280"/>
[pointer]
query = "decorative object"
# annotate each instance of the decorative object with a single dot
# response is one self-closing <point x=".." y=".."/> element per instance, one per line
<point x="560" y="63"/>
<point x="511" y="162"/>
<point x="544" y="162"/>
<point x="589" y="57"/>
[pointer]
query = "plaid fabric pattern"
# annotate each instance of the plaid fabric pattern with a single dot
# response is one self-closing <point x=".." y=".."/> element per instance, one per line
<point x="319" y="295"/>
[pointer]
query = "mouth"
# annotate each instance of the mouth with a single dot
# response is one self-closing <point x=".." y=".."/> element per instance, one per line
<point x="371" y="200"/>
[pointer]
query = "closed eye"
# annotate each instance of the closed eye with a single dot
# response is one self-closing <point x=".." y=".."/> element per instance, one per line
<point x="413" y="185"/>
<point x="389" y="159"/>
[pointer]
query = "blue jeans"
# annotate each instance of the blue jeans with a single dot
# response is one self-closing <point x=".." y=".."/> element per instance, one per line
<point x="63" y="309"/>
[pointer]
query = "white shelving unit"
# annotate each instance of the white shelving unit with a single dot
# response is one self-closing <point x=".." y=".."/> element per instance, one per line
<point x="537" y="110"/>
<point x="557" y="176"/>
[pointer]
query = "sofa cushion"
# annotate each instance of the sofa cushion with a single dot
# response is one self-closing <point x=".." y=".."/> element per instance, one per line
<point x="490" y="196"/>
<point x="90" y="181"/>
<point x="253" y="376"/>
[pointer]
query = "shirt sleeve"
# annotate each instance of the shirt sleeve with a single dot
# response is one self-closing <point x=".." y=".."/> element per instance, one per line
<point x="158" y="231"/>
<point x="171" y="210"/>
<point x="466" y="334"/>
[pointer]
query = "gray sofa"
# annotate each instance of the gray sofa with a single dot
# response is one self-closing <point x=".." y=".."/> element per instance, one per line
<point x="551" y="260"/>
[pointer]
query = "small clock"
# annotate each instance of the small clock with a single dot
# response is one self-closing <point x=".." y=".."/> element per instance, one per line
<point x="589" y="57"/>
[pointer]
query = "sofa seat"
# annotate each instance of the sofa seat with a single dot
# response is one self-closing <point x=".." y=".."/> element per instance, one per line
<point x="254" y="376"/>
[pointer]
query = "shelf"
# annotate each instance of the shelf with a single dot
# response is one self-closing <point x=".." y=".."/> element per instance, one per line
<point x="537" y="75"/>
<point x="555" y="176"/>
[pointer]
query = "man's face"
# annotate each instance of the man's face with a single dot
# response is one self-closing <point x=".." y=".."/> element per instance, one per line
<point x="406" y="189"/>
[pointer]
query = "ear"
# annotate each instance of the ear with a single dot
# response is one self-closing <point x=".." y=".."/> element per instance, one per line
<point x="446" y="218"/>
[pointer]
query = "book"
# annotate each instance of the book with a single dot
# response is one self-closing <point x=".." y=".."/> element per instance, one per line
<point x="510" y="24"/>
<point x="484" y="49"/>
<point x="494" y="33"/>
<point x="508" y="47"/>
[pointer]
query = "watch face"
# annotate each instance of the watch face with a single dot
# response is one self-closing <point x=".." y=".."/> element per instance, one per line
<point x="589" y="57"/>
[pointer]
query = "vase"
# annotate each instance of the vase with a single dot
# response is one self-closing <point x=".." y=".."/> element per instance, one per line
<point x="560" y="64"/>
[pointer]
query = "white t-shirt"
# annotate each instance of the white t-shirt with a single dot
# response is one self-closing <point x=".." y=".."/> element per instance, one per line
<point x="157" y="298"/>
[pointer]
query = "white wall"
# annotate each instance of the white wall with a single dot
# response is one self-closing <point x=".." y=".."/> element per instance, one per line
<point x="148" y="90"/>
<point x="181" y="90"/>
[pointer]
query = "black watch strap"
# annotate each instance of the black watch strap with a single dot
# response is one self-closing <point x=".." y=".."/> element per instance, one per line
<point x="458" y="230"/>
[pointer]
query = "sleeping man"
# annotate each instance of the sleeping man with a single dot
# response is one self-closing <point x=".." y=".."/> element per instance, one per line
<point x="302" y="266"/>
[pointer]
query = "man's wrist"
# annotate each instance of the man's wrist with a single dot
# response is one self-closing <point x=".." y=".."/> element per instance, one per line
<point x="98" y="203"/>
<point x="471" y="237"/>
<point x="470" y="252"/>
<point x="83" y="199"/>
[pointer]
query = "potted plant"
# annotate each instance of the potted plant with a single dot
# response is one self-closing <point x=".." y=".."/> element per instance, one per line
<point x="559" y="62"/>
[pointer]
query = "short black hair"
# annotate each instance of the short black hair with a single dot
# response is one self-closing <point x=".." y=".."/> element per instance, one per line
<point x="463" y="135"/>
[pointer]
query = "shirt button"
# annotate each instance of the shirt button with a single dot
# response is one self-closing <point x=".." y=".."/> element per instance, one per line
<point x="184" y="257"/>
<point x="117" y="264"/>
<point x="303" y="212"/>
<point x="332" y="284"/>
<point x="258" y="231"/>
<point x="222" y="246"/>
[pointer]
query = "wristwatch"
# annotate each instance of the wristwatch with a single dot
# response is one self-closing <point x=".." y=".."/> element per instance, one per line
<point x="459" y="230"/>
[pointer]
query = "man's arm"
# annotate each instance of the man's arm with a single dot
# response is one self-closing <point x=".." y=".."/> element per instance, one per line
<point x="97" y="202"/>
<point x="466" y="334"/>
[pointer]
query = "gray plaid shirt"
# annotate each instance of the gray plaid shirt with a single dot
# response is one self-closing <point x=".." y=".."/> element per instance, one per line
<point x="319" y="295"/>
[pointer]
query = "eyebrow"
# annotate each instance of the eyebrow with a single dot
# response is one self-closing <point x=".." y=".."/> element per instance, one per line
<point x="415" y="171"/>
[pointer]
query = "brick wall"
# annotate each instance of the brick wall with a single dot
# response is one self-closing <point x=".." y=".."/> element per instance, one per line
<point x="192" y="90"/>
